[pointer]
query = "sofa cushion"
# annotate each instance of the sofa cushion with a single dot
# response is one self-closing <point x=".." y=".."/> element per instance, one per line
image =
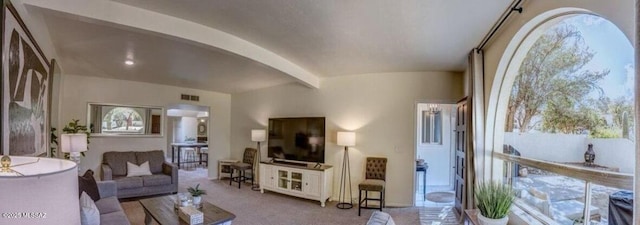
<point x="87" y="184"/>
<point x="108" y="205"/>
<point x="380" y="218"/>
<point x="114" y="218"/>
<point x="89" y="213"/>
<point x="371" y="185"/>
<point x="118" y="161"/>
<point x="134" y="170"/>
<point x="128" y="182"/>
<point x="155" y="159"/>
<point x="156" y="180"/>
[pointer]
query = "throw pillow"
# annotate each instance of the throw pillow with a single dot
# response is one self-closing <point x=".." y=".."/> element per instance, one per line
<point x="134" y="170"/>
<point x="89" y="214"/>
<point x="87" y="183"/>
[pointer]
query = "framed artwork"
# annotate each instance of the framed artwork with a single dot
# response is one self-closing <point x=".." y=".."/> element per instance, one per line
<point x="26" y="89"/>
<point x="202" y="129"/>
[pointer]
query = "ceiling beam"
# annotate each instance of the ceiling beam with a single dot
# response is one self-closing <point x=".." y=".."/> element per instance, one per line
<point x="129" y="16"/>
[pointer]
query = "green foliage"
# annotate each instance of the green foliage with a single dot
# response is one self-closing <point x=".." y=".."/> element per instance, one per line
<point x="54" y="142"/>
<point x="494" y="199"/>
<point x="75" y="127"/>
<point x="195" y="192"/>
<point x="552" y="73"/>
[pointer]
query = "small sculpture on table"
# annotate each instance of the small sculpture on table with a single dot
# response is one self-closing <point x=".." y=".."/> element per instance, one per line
<point x="589" y="156"/>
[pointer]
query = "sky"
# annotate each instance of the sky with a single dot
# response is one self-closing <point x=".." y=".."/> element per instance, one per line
<point x="613" y="51"/>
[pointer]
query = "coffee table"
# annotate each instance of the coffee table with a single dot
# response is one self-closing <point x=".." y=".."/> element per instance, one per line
<point x="161" y="210"/>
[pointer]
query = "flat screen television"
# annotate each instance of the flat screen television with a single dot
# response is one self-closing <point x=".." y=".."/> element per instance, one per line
<point x="297" y="139"/>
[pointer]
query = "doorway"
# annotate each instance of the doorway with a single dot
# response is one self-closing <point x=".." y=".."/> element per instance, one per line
<point x="435" y="155"/>
<point x="188" y="139"/>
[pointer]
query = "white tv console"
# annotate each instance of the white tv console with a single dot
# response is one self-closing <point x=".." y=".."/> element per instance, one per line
<point x="304" y="181"/>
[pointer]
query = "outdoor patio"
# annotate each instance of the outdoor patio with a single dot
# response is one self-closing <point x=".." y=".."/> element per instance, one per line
<point x="562" y="198"/>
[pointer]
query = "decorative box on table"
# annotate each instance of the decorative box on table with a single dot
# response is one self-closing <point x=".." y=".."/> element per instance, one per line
<point x="191" y="215"/>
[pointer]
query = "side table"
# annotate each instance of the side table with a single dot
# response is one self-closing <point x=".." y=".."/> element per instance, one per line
<point x="223" y="167"/>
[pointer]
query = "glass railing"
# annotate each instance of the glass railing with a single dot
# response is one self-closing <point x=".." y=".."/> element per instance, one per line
<point x="560" y="192"/>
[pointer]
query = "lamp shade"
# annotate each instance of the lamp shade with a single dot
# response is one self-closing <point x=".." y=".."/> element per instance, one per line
<point x="43" y="191"/>
<point x="346" y="138"/>
<point x="73" y="142"/>
<point x="258" y="135"/>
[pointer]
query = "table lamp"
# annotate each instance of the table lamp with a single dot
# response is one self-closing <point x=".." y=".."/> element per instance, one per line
<point x="345" y="139"/>
<point x="39" y="191"/>
<point x="74" y="144"/>
<point x="257" y="135"/>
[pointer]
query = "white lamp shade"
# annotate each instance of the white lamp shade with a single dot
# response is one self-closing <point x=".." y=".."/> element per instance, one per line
<point x="346" y="138"/>
<point x="73" y="142"/>
<point x="47" y="190"/>
<point x="258" y="135"/>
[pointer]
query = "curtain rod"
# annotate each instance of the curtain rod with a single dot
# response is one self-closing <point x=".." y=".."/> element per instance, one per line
<point x="514" y="7"/>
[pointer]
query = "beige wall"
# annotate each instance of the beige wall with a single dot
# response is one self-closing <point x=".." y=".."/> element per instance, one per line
<point x="77" y="91"/>
<point x="380" y="108"/>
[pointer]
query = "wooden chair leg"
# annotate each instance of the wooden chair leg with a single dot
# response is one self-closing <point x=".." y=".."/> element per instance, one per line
<point x="231" y="177"/>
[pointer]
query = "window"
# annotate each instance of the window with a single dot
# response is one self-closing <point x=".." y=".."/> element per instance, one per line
<point x="123" y="120"/>
<point x="432" y="125"/>
<point x="572" y="89"/>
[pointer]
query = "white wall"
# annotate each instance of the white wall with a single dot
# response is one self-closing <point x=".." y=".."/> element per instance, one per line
<point x="611" y="152"/>
<point x="77" y="91"/>
<point x="189" y="127"/>
<point x="380" y="108"/>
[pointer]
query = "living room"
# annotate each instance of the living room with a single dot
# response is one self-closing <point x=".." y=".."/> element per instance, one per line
<point x="374" y="96"/>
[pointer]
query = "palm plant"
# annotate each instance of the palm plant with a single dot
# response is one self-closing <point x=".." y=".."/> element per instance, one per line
<point x="195" y="192"/>
<point x="494" y="199"/>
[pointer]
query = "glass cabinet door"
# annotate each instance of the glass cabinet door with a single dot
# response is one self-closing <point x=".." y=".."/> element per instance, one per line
<point x="283" y="181"/>
<point x="296" y="181"/>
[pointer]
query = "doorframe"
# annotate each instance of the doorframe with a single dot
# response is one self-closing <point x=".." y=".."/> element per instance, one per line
<point x="416" y="138"/>
<point x="194" y="107"/>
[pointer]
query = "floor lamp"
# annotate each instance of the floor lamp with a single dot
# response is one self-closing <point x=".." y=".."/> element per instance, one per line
<point x="345" y="139"/>
<point x="257" y="136"/>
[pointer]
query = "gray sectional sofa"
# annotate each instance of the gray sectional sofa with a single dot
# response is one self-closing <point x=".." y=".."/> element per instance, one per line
<point x="111" y="213"/>
<point x="164" y="178"/>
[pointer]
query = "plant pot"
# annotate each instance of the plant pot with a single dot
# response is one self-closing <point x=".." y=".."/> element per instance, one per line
<point x="487" y="221"/>
<point x="197" y="200"/>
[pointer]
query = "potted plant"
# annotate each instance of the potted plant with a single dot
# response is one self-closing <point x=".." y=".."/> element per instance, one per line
<point x="494" y="200"/>
<point x="196" y="193"/>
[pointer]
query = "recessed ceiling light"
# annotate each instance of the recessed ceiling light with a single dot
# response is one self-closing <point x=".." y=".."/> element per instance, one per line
<point x="128" y="62"/>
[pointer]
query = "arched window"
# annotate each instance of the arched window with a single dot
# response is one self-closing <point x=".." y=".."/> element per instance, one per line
<point x="123" y="120"/>
<point x="567" y="102"/>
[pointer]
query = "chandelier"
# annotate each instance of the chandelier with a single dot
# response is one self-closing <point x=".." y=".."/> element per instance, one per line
<point x="434" y="108"/>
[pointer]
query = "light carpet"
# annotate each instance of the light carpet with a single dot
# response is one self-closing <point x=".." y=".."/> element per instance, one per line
<point x="254" y="208"/>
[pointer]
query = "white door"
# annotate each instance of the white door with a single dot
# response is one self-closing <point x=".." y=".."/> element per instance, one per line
<point x="434" y="143"/>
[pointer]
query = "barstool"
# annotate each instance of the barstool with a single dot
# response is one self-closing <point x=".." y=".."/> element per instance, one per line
<point x="189" y="155"/>
<point x="204" y="152"/>
<point x="375" y="176"/>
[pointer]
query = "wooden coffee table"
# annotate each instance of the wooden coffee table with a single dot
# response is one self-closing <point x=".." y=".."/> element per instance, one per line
<point x="161" y="210"/>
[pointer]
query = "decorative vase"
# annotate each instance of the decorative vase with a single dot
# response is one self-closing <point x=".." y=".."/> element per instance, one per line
<point x="589" y="155"/>
<point x="487" y="221"/>
<point x="197" y="200"/>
